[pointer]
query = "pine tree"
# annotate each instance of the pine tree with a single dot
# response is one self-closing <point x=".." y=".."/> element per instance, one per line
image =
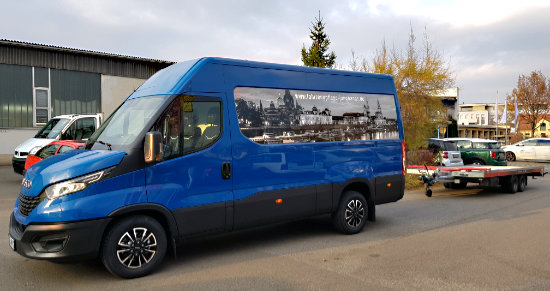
<point x="317" y="55"/>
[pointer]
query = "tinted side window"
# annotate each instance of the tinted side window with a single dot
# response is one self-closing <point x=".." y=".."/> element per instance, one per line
<point x="189" y="125"/>
<point x="47" y="151"/>
<point x="481" y="145"/>
<point x="530" y="142"/>
<point x="450" y="146"/>
<point x="64" y="149"/>
<point x="543" y="142"/>
<point x="434" y="146"/>
<point x="84" y="128"/>
<point x="273" y="116"/>
<point x="464" y="144"/>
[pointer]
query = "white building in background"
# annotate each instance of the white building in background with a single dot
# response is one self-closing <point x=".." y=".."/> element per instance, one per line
<point x="449" y="99"/>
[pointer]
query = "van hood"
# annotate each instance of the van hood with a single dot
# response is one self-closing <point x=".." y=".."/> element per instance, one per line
<point x="30" y="143"/>
<point x="68" y="165"/>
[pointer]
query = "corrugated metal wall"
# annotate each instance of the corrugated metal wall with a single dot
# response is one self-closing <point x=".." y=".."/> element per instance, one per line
<point x="16" y="53"/>
<point x="75" y="92"/>
<point x="15" y="96"/>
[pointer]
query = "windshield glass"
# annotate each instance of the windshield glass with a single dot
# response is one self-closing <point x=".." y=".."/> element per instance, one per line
<point x="124" y="125"/>
<point x="52" y="128"/>
<point x="450" y="146"/>
<point x="47" y="151"/>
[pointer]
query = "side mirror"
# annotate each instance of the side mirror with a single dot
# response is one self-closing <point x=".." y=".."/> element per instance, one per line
<point x="151" y="147"/>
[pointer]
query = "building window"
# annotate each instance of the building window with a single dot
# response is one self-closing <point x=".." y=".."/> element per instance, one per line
<point x="543" y="126"/>
<point x="41" y="96"/>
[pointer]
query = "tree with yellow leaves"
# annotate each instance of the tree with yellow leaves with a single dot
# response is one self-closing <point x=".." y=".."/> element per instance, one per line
<point x="419" y="75"/>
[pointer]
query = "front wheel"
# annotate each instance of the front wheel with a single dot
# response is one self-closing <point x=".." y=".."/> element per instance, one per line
<point x="134" y="246"/>
<point x="352" y="213"/>
<point x="510" y="156"/>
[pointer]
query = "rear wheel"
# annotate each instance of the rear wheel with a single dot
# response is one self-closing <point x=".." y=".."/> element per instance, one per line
<point x="522" y="183"/>
<point x="478" y="162"/>
<point x="510" y="184"/>
<point x="134" y="246"/>
<point x="352" y="213"/>
<point x="510" y="156"/>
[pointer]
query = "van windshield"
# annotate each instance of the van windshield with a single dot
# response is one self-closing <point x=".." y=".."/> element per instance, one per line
<point x="52" y="128"/>
<point x="123" y="126"/>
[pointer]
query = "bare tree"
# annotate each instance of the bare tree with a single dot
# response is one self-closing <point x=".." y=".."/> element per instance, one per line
<point x="533" y="97"/>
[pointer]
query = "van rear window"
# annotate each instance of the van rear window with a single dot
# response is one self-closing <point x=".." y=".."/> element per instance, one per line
<point x="274" y="116"/>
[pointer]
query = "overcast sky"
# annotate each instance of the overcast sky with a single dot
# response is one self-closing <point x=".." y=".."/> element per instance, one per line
<point x="488" y="43"/>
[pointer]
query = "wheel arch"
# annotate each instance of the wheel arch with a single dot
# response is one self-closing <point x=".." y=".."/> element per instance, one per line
<point x="156" y="211"/>
<point x="363" y="186"/>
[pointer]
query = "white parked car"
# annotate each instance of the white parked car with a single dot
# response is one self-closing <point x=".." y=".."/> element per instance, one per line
<point x="63" y="127"/>
<point x="529" y="149"/>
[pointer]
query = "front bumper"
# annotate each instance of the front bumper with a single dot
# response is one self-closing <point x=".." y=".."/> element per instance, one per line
<point x="18" y="165"/>
<point x="58" y="241"/>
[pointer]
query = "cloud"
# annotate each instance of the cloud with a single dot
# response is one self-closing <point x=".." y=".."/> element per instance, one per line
<point x="488" y="43"/>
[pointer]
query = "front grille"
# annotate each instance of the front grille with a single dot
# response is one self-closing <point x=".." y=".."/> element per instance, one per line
<point x="27" y="203"/>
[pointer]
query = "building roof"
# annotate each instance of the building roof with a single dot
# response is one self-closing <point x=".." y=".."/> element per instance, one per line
<point x="75" y="50"/>
<point x="524" y="123"/>
<point x="56" y="57"/>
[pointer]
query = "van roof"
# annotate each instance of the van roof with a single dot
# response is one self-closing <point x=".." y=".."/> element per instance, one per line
<point x="174" y="79"/>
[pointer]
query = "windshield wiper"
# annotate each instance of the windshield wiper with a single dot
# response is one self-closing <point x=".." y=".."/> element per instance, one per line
<point x="105" y="143"/>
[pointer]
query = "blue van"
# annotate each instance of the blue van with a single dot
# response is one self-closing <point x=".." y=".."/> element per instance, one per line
<point x="215" y="145"/>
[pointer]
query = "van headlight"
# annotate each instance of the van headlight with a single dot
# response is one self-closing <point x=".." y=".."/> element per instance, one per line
<point x="75" y="185"/>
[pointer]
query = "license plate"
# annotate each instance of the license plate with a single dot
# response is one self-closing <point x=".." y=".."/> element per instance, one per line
<point x="12" y="242"/>
<point x="457" y="181"/>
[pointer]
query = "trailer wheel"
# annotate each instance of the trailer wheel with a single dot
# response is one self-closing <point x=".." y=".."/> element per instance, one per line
<point x="510" y="184"/>
<point x="460" y="185"/>
<point x="522" y="183"/>
<point x="352" y="213"/>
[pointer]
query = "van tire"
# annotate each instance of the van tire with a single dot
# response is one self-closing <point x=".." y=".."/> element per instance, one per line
<point x="138" y="236"/>
<point x="352" y="213"/>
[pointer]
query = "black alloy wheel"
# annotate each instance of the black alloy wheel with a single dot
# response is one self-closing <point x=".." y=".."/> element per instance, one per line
<point x="352" y="213"/>
<point x="134" y="246"/>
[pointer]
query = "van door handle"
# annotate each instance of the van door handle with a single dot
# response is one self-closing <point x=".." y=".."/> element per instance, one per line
<point x="226" y="170"/>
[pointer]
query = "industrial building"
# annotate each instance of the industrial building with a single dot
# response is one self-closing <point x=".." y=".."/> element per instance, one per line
<point x="39" y="81"/>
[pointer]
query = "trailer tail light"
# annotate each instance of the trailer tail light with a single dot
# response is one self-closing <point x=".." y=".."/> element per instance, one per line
<point x="403" y="152"/>
<point x="493" y="155"/>
<point x="445" y="155"/>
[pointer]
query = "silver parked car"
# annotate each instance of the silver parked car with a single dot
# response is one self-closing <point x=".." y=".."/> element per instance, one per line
<point x="529" y="149"/>
<point x="447" y="152"/>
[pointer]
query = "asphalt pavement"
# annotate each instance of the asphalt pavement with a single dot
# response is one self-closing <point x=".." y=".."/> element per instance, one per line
<point x="471" y="239"/>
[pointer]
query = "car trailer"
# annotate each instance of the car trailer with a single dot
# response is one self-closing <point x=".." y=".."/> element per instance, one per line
<point x="510" y="179"/>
